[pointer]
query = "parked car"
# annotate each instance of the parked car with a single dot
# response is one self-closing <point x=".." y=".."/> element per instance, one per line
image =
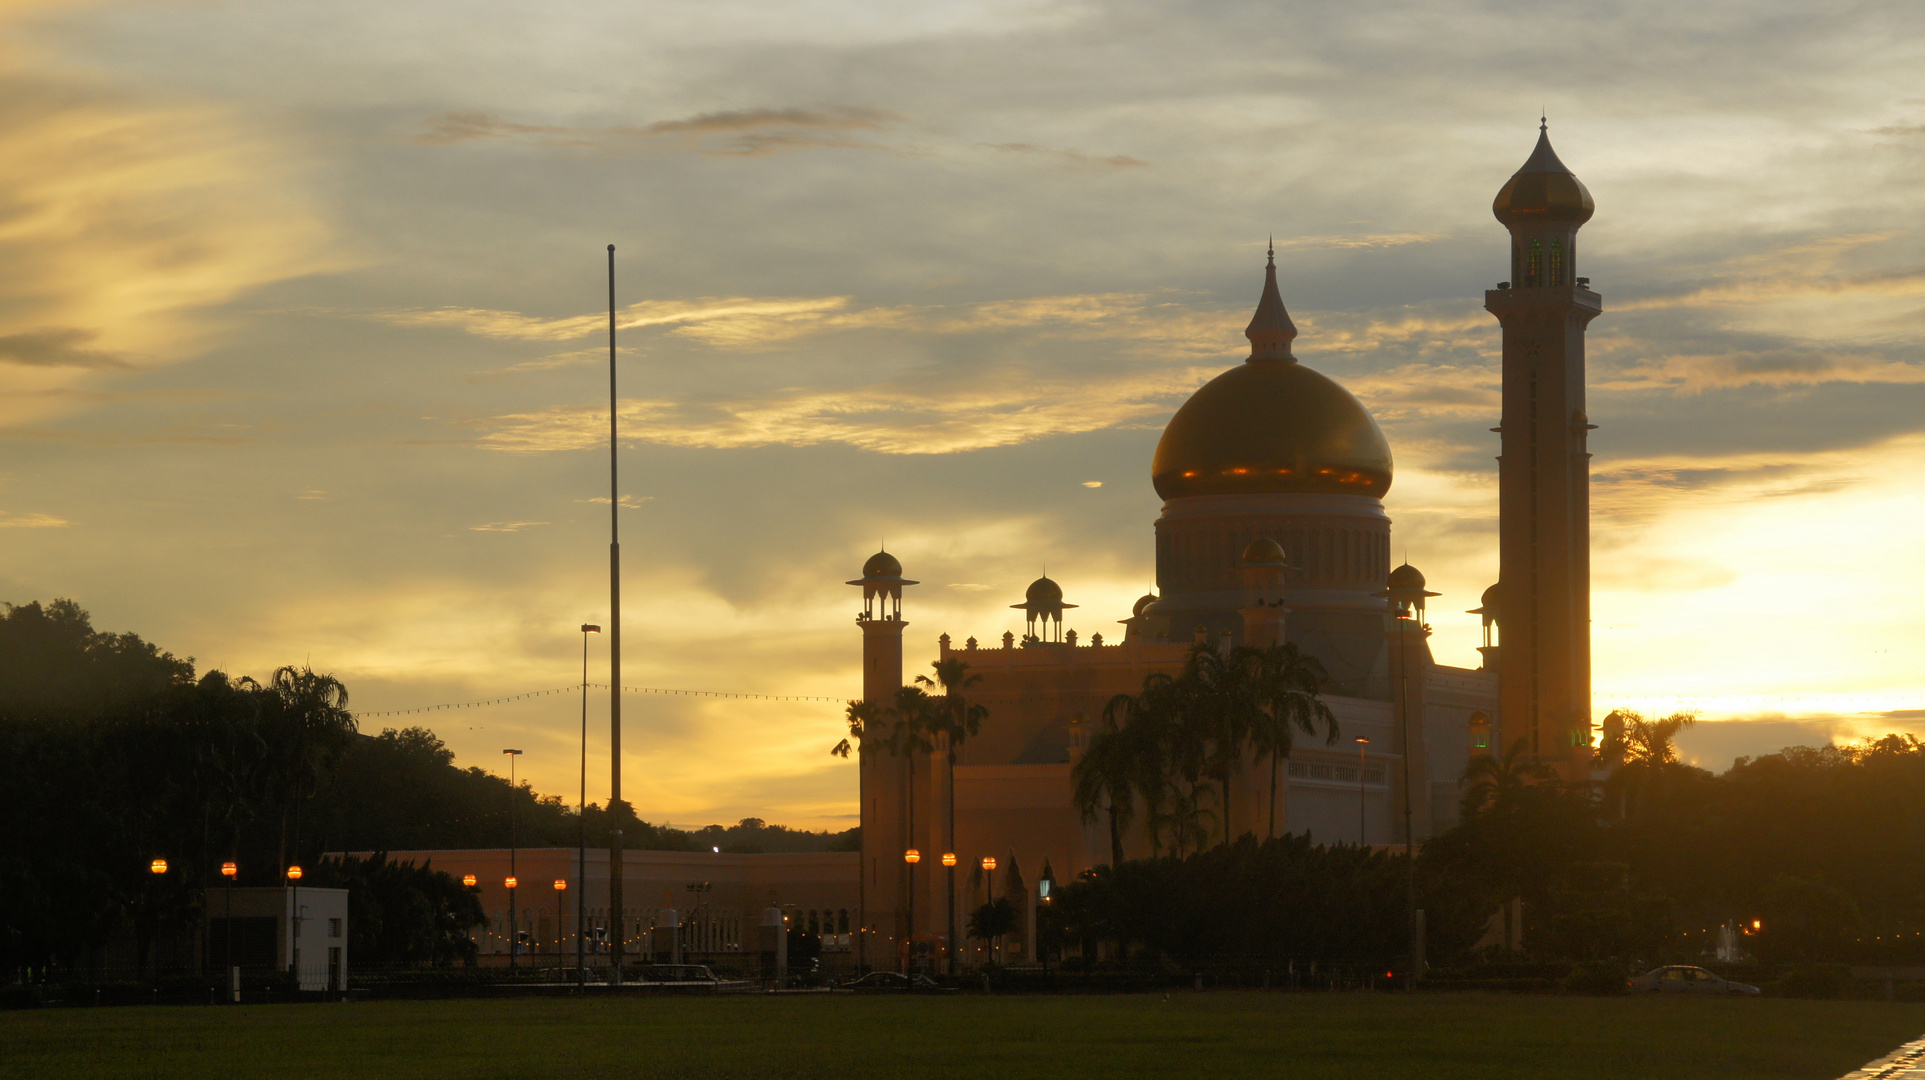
<point x="1686" y="979"/>
<point x="890" y="982"/>
<point x="678" y="973"/>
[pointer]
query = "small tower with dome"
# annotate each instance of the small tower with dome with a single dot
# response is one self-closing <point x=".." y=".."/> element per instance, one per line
<point x="1043" y="608"/>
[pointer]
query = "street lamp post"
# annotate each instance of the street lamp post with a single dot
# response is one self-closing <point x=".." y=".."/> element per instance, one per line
<point x="229" y="870"/>
<point x="561" y="935"/>
<point x="949" y="928"/>
<point x="294" y="926"/>
<point x="989" y="894"/>
<point x="581" y="822"/>
<point x="158" y="867"/>
<point x="1363" y="832"/>
<point x="912" y="857"/>
<point x="514" y="928"/>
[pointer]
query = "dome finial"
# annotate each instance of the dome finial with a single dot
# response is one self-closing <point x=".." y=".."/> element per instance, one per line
<point x="1270" y="330"/>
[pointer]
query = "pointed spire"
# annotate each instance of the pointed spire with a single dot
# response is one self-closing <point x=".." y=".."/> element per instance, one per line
<point x="1543" y="159"/>
<point x="1270" y="330"/>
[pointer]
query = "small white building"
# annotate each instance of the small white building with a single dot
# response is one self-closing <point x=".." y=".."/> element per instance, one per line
<point x="261" y="930"/>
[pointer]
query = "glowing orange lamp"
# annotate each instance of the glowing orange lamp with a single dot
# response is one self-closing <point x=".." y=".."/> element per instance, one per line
<point x="468" y="880"/>
<point x="228" y="870"/>
<point x="949" y="858"/>
<point x="912" y="856"/>
<point x="511" y="883"/>
<point x="159" y="866"/>
<point x="989" y="862"/>
<point x="294" y="873"/>
<point x="560" y="884"/>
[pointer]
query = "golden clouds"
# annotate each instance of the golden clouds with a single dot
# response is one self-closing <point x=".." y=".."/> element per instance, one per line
<point x="899" y="419"/>
<point x="31" y="521"/>
<point x="122" y="221"/>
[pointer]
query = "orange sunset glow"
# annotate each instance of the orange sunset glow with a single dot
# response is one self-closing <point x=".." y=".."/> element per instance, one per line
<point x="302" y="345"/>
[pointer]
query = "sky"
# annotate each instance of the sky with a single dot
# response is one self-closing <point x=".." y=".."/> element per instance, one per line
<point x="303" y="336"/>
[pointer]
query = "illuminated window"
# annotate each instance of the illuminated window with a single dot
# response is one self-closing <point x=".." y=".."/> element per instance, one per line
<point x="1557" y="262"/>
<point x="1534" y="264"/>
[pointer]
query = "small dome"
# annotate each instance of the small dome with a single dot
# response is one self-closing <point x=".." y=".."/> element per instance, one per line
<point x="1044" y="591"/>
<point x="1543" y="190"/>
<point x="1487" y="606"/>
<point x="1406" y="577"/>
<point x="1143" y="602"/>
<point x="882" y="564"/>
<point x="1262" y="550"/>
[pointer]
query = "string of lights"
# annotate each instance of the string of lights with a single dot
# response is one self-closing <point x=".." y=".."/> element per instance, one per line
<point x="600" y="686"/>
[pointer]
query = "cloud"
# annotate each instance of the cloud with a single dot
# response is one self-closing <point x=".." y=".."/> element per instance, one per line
<point x="55" y="347"/>
<point x="1074" y="157"/>
<point x="897" y="419"/>
<point x="754" y="132"/>
<point x="1698" y="373"/>
<point x="126" y="216"/>
<point x="1092" y="483"/>
<point x="1342" y="242"/>
<point x="505" y="526"/>
<point x="31" y="521"/>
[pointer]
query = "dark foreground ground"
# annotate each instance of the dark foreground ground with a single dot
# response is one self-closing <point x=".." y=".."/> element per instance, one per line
<point x="1214" y="1035"/>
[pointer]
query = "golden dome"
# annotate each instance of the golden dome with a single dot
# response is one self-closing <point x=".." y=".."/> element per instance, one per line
<point x="882" y="564"/>
<point x="1543" y="190"/>
<point x="1271" y="426"/>
<point x="1142" y="602"/>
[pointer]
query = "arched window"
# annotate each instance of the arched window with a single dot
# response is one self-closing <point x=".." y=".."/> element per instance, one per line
<point x="1557" y="262"/>
<point x="1534" y="264"/>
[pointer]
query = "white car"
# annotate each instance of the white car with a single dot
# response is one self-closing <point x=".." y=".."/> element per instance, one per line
<point x="1685" y="979"/>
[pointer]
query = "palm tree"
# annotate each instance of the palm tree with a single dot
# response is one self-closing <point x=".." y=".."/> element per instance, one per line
<point x="1645" y="753"/>
<point x="1110" y="773"/>
<point x="1220" y="703"/>
<point x="861" y="717"/>
<point x="955" y="719"/>
<point x="1496" y="785"/>
<point x="1643" y="742"/>
<point x="1287" y="684"/>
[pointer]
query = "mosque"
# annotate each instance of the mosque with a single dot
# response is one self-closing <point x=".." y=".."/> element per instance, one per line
<point x="1273" y="529"/>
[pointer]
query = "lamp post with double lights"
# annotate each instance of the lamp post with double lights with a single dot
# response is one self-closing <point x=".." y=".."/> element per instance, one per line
<point x="581" y="822"/>
<point x="514" y="928"/>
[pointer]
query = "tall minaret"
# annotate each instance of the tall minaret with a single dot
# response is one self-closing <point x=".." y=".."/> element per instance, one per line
<point x="884" y="886"/>
<point x="1544" y="530"/>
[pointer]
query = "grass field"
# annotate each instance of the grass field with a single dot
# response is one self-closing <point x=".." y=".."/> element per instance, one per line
<point x="1217" y="1035"/>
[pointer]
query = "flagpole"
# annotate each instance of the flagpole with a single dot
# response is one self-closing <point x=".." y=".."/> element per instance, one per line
<point x="617" y="916"/>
